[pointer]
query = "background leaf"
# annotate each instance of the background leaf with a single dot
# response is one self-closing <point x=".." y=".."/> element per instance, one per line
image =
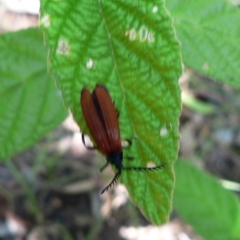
<point x="30" y="104"/>
<point x="213" y="211"/>
<point x="196" y="105"/>
<point x="209" y="32"/>
<point x="130" y="47"/>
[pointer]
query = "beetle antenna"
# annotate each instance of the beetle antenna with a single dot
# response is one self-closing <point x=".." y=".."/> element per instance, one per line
<point x="144" y="168"/>
<point x="112" y="182"/>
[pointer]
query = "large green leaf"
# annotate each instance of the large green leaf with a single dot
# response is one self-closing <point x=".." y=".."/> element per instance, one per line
<point x="30" y="104"/>
<point x="199" y="198"/>
<point x="130" y="47"/>
<point x="209" y="31"/>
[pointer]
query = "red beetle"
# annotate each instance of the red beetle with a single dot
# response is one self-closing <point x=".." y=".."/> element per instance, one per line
<point x="102" y="120"/>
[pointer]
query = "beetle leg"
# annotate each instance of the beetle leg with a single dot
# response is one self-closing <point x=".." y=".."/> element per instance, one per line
<point x="129" y="158"/>
<point x="84" y="143"/>
<point x="103" y="167"/>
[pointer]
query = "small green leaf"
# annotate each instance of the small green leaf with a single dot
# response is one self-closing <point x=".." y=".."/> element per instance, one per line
<point x="30" y="104"/>
<point x="209" y="34"/>
<point x="213" y="211"/>
<point x="197" y="105"/>
<point x="130" y="47"/>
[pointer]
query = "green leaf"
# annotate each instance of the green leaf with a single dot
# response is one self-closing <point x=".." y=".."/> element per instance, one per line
<point x="234" y="2"/>
<point x="209" y="34"/>
<point x="30" y="104"/>
<point x="213" y="211"/>
<point x="130" y="47"/>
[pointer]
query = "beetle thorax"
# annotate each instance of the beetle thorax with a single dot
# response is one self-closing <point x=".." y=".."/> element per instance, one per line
<point x="115" y="158"/>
